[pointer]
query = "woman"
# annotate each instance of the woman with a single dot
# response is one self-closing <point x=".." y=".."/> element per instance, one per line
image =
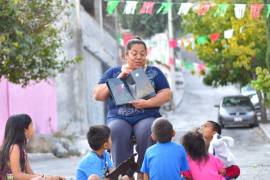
<point x="14" y="163"/>
<point x="137" y="117"/>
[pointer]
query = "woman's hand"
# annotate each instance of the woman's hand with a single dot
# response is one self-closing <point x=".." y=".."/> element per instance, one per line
<point x="125" y="70"/>
<point x="222" y="172"/>
<point x="162" y="97"/>
<point x="140" y="103"/>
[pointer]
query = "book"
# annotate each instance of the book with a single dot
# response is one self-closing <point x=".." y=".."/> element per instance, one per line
<point x="135" y="86"/>
<point x="124" y="167"/>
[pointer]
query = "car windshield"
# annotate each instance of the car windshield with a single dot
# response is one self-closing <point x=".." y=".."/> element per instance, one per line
<point x="236" y="101"/>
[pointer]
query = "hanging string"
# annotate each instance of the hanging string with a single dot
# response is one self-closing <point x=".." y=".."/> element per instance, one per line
<point x="204" y="2"/>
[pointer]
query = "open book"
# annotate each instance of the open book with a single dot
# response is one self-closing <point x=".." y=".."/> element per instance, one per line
<point x="124" y="167"/>
<point x="135" y="86"/>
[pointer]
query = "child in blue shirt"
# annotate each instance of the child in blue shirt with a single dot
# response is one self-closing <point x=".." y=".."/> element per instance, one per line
<point x="165" y="159"/>
<point x="96" y="163"/>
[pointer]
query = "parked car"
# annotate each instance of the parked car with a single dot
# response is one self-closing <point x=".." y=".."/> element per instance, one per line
<point x="235" y="111"/>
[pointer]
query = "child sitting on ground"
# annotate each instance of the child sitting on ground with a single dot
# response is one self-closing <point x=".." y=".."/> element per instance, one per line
<point x="14" y="163"/>
<point x="202" y="164"/>
<point x="165" y="159"/>
<point x="219" y="146"/>
<point x="97" y="163"/>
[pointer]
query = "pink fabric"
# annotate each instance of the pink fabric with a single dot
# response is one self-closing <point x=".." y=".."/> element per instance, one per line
<point x="38" y="100"/>
<point x="206" y="170"/>
<point x="3" y="106"/>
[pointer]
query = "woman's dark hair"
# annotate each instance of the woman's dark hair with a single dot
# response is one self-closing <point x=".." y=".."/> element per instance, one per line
<point x="216" y="126"/>
<point x="163" y="130"/>
<point x="132" y="42"/>
<point x="195" y="146"/>
<point x="97" y="136"/>
<point x="14" y="134"/>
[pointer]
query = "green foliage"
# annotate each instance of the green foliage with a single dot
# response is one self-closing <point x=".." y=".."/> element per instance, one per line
<point x="147" y="25"/>
<point x="231" y="60"/>
<point x="29" y="42"/>
<point x="262" y="83"/>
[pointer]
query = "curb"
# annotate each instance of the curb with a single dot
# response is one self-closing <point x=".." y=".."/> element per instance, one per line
<point x="265" y="130"/>
<point x="177" y="104"/>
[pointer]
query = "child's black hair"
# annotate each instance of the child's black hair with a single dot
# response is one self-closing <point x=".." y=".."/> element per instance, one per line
<point x="163" y="130"/>
<point x="97" y="136"/>
<point x="216" y="126"/>
<point x="14" y="134"/>
<point x="194" y="144"/>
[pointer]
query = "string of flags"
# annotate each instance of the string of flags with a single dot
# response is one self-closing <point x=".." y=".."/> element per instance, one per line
<point x="192" y="41"/>
<point x="147" y="7"/>
<point x="188" y="42"/>
<point x="193" y="67"/>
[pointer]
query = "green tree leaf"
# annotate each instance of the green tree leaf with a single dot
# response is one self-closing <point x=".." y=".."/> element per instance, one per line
<point x="231" y="60"/>
<point x="29" y="43"/>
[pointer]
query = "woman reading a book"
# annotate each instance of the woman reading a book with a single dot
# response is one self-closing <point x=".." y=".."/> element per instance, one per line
<point x="136" y="117"/>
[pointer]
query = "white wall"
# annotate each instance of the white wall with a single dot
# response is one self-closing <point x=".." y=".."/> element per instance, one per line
<point x="77" y="110"/>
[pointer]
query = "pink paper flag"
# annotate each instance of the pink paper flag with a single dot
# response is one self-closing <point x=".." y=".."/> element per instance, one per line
<point x="172" y="43"/>
<point x="171" y="61"/>
<point x="255" y="10"/>
<point x="201" y="67"/>
<point x="203" y="8"/>
<point x="214" y="37"/>
<point x="147" y="8"/>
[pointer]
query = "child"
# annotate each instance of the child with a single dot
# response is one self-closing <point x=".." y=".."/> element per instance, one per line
<point x="165" y="159"/>
<point x="202" y="164"/>
<point x="14" y="163"/>
<point x="219" y="146"/>
<point x="96" y="163"/>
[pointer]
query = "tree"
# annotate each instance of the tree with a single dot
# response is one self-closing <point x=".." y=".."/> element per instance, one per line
<point x="262" y="86"/>
<point x="29" y="41"/>
<point x="262" y="82"/>
<point x="229" y="60"/>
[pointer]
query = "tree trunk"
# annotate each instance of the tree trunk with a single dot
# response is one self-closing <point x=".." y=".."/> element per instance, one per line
<point x="262" y="107"/>
<point x="267" y="58"/>
<point x="262" y="99"/>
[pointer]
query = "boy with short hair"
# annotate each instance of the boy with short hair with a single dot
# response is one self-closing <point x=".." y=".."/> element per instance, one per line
<point x="97" y="162"/>
<point x="165" y="159"/>
<point x="219" y="146"/>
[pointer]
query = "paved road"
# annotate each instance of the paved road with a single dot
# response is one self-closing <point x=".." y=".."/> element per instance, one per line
<point x="252" y="149"/>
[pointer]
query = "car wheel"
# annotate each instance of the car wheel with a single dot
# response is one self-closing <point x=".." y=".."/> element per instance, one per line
<point x="256" y="124"/>
<point x="220" y="123"/>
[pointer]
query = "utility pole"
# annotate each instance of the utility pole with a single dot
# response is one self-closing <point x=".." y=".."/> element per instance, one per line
<point x="171" y="54"/>
<point x="99" y="14"/>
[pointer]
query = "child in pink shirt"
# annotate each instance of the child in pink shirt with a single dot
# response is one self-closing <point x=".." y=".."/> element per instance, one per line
<point x="202" y="164"/>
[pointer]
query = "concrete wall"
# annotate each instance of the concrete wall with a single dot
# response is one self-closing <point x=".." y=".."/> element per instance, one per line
<point x="37" y="100"/>
<point x="76" y="109"/>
